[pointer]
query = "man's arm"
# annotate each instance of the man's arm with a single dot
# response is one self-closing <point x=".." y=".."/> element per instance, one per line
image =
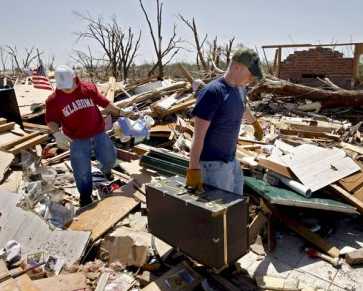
<point x="53" y="126"/>
<point x="113" y="109"/>
<point x="248" y="115"/>
<point x="200" y="129"/>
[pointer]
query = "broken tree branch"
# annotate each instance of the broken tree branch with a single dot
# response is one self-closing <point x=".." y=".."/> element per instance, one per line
<point x="327" y="98"/>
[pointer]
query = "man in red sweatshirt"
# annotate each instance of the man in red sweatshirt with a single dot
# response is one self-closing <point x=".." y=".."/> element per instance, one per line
<point x="74" y="118"/>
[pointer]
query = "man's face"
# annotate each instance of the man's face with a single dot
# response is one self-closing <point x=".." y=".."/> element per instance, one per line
<point x="68" y="91"/>
<point x="243" y="75"/>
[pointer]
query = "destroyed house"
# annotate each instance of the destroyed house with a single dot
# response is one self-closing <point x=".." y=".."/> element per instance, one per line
<point x="311" y="62"/>
<point x="306" y="66"/>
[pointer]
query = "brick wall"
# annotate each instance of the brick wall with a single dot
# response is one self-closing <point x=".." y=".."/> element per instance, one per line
<point x="304" y="66"/>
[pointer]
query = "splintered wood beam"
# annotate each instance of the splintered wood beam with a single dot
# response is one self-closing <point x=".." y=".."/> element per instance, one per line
<point x="57" y="158"/>
<point x="348" y="197"/>
<point x="28" y="143"/>
<point x="7" y="126"/>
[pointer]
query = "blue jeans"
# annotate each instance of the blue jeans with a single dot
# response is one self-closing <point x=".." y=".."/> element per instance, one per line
<point x="225" y="176"/>
<point x="81" y="154"/>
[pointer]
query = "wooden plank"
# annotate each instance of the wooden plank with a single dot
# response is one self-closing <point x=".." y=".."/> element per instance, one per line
<point x="359" y="194"/>
<point x="39" y="127"/>
<point x="100" y="217"/>
<point x="306" y="233"/>
<point x="57" y="158"/>
<point x="310" y="128"/>
<point x="66" y="282"/>
<point x="29" y="143"/>
<point x="310" y="134"/>
<point x="21" y="139"/>
<point x="275" y="167"/>
<point x="348" y="197"/>
<point x="7" y="126"/>
<point x="352" y="182"/>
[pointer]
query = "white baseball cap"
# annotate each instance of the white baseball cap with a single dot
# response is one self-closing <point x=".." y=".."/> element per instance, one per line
<point x="64" y="77"/>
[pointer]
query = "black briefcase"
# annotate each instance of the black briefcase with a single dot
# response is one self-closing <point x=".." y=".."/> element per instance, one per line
<point x="210" y="227"/>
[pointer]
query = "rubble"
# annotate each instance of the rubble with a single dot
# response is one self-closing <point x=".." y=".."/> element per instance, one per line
<point x="304" y="181"/>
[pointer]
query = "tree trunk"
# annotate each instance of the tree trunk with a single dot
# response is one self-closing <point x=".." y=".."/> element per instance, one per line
<point x="327" y="98"/>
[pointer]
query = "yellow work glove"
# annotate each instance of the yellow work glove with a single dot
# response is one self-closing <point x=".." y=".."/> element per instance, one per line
<point x="194" y="180"/>
<point x="258" y="130"/>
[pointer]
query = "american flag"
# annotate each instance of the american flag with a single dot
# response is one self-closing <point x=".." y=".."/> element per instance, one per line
<point x="40" y="80"/>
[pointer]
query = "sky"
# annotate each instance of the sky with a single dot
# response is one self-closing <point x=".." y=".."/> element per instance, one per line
<point x="52" y="25"/>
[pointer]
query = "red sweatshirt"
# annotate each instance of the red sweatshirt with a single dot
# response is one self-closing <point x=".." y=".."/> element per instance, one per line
<point x="77" y="112"/>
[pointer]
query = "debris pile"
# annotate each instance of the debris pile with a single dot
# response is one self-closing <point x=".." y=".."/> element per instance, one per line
<point x="304" y="181"/>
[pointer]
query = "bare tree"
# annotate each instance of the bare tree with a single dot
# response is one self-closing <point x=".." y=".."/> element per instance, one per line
<point x="128" y="49"/>
<point x="30" y="55"/>
<point x="215" y="51"/>
<point x="120" y="48"/>
<point x="3" y="58"/>
<point x="13" y="53"/>
<point x="228" y="50"/>
<point x="50" y="63"/>
<point x="198" y="43"/>
<point x="22" y="63"/>
<point x="164" y="55"/>
<point x="87" y="61"/>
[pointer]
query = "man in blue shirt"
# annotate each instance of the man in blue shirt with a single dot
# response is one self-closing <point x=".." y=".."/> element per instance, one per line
<point x="217" y="115"/>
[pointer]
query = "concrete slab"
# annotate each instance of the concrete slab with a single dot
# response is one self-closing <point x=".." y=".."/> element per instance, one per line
<point x="256" y="265"/>
<point x="318" y="267"/>
<point x="307" y="280"/>
<point x="349" y="278"/>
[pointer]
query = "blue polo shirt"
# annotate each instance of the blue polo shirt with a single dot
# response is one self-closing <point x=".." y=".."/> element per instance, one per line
<point x="223" y="106"/>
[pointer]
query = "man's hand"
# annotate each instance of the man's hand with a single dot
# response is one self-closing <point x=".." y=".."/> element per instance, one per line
<point x="114" y="110"/>
<point x="258" y="130"/>
<point x="194" y="180"/>
<point x="197" y="85"/>
<point x="62" y="140"/>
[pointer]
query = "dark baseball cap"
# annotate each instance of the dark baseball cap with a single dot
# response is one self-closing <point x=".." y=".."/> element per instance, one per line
<point x="250" y="59"/>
